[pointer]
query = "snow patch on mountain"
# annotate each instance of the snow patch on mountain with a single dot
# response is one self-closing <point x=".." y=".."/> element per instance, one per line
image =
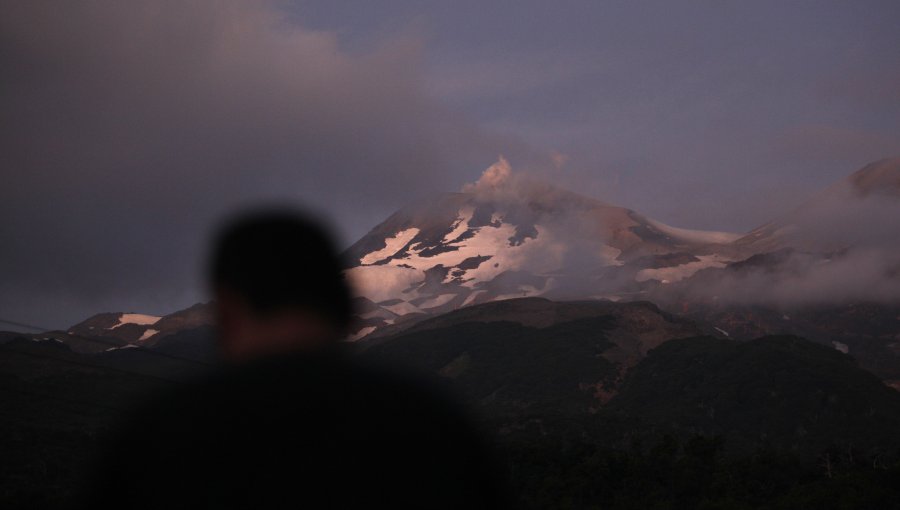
<point x="361" y="333"/>
<point x="403" y="308"/>
<point x="540" y="254"/>
<point x="695" y="236"/>
<point x="610" y="255"/>
<point x="147" y="334"/>
<point x="460" y="226"/>
<point x="383" y="282"/>
<point x="680" y="272"/>
<point x="392" y="246"/>
<point x="471" y="297"/>
<point x="434" y="302"/>
<point x="136" y="318"/>
<point x="129" y="346"/>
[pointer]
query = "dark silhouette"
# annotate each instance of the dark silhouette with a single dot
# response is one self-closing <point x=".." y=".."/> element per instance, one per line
<point x="293" y="421"/>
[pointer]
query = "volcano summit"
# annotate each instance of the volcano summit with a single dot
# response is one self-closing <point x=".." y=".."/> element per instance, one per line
<point x="508" y="235"/>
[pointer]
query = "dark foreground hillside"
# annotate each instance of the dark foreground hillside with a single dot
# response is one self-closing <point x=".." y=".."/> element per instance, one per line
<point x="59" y="406"/>
<point x="778" y="422"/>
<point x="610" y="406"/>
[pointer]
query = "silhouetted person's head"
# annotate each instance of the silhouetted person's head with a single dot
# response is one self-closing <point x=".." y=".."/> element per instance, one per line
<point x="278" y="285"/>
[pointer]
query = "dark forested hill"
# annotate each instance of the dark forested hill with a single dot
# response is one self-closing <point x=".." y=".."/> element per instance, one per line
<point x="592" y="404"/>
<point x="776" y="392"/>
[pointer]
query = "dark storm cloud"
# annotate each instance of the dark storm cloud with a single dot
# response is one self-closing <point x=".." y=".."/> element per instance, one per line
<point x="128" y="127"/>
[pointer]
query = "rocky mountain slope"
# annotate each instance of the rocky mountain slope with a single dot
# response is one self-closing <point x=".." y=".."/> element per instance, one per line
<point x="509" y="236"/>
<point x="113" y="330"/>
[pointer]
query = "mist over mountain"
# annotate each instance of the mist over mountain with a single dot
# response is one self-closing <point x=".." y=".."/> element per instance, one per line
<point x="839" y="247"/>
<point x="509" y="235"/>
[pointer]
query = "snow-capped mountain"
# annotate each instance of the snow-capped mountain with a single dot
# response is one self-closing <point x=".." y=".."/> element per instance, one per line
<point x="107" y="330"/>
<point x="128" y="327"/>
<point x="510" y="236"/>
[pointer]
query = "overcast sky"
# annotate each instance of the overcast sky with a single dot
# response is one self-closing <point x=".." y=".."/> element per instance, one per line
<point x="129" y="127"/>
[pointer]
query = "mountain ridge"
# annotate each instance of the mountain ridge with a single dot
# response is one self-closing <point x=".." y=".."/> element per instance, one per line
<point x="508" y="236"/>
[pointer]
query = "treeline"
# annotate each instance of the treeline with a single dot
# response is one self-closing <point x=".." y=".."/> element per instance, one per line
<point x="696" y="473"/>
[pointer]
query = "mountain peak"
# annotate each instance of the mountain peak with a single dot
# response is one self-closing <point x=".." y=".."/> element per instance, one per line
<point x="509" y="235"/>
<point x="881" y="177"/>
<point x="830" y="217"/>
<point x="501" y="186"/>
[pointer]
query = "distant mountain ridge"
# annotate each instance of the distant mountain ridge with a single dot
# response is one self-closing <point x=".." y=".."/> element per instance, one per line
<point x="508" y="236"/>
<point x="875" y="182"/>
<point x="111" y="330"/>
